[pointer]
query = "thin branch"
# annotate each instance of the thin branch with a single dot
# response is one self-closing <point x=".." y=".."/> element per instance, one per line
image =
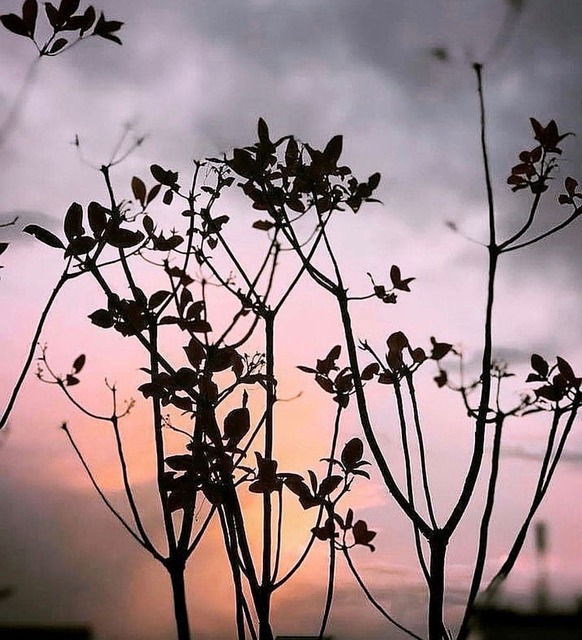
<point x="330" y="585"/>
<point x="481" y="420"/>
<point x="127" y="486"/>
<point x="312" y="539"/>
<point x="527" y="224"/>
<point x="484" y="527"/>
<point x="409" y="478"/>
<point x="32" y="348"/>
<point x="577" y="212"/>
<point x="421" y="449"/>
<point x="373" y="600"/>
<point x="537" y="500"/>
<point x="102" y="495"/>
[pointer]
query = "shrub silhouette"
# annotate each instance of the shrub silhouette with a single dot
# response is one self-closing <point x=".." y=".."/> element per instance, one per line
<point x="203" y="392"/>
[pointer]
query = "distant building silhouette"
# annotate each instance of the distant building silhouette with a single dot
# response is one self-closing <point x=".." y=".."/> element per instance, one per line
<point x="302" y="638"/>
<point x="21" y="632"/>
<point x="493" y="621"/>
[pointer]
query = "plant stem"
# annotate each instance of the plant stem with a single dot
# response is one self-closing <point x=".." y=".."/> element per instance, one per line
<point x="493" y="249"/>
<point x="438" y="549"/>
<point x="176" y="571"/>
<point x="484" y="528"/>
<point x="330" y="584"/>
<point x="32" y="348"/>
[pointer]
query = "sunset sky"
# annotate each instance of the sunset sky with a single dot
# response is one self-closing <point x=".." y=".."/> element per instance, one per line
<point x="194" y="77"/>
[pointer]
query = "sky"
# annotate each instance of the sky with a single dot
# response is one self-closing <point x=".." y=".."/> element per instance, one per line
<point x="194" y="77"/>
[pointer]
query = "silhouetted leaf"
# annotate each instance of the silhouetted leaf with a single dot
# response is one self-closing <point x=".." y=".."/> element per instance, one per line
<point x="291" y="152"/>
<point x="549" y="392"/>
<point x="68" y="7"/>
<point x="243" y="163"/>
<point x="88" y="20"/>
<point x="352" y="453"/>
<point x="370" y="371"/>
<point x="184" y="404"/>
<point x="344" y="381"/>
<point x="153" y="193"/>
<point x="46" y="237"/>
<point x="97" y="215"/>
<point x="74" y="23"/>
<point x="333" y="150"/>
<point x="199" y="326"/>
<point x="326" y="532"/>
<point x="296" y="484"/>
<point x="263" y="132"/>
<point x="566" y="370"/>
<point x="80" y="246"/>
<point x="267" y="480"/>
<point x="329" y="485"/>
<point x="53" y="15"/>
<point x="439" y="349"/>
<point x="74" y="221"/>
<point x="397" y="341"/>
<point x="106" y="28"/>
<point x="29" y="15"/>
<point x="325" y="383"/>
<point x="441" y="379"/>
<point x="236" y="425"/>
<point x="79" y="363"/>
<point x="3" y="247"/>
<point x="306" y="369"/>
<point x="263" y="225"/>
<point x="397" y="281"/>
<point x="418" y="355"/>
<point x="328" y="363"/>
<point x="157" y="298"/>
<point x="570" y="185"/>
<point x="180" y="462"/>
<point x="540" y="365"/>
<point x="386" y="378"/>
<point x="362" y="535"/>
<point x="71" y="381"/>
<point x="163" y="176"/>
<point x="124" y="238"/>
<point x="102" y="318"/>
<point x="58" y="44"/>
<point x="139" y="190"/>
<point x="15" y="24"/>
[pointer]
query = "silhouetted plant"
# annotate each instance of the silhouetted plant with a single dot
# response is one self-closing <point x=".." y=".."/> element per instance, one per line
<point x="205" y="391"/>
<point x="63" y="20"/>
<point x="307" y="180"/>
<point x="203" y="394"/>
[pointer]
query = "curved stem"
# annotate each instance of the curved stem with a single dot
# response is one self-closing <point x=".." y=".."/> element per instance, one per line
<point x="330" y="585"/>
<point x="102" y="495"/>
<point x="366" y="422"/>
<point x="33" y="344"/>
<point x="481" y="420"/>
<point x="421" y="449"/>
<point x="484" y="528"/>
<point x="537" y="500"/>
<point x="307" y="549"/>
<point x="129" y="492"/>
<point x="373" y="600"/>
<point x="409" y="478"/>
